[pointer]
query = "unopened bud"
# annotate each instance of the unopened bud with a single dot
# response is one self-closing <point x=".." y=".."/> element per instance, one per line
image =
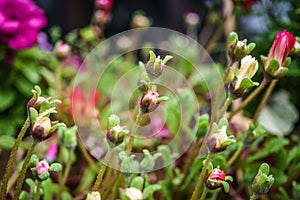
<point x="62" y="50"/>
<point x="116" y="135"/>
<point x="41" y="128"/>
<point x="217" y="178"/>
<point x="262" y="181"/>
<point x="155" y="65"/>
<point x="149" y="102"/>
<point x="93" y="196"/>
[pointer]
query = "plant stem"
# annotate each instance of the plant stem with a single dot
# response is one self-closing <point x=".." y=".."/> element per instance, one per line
<point x="249" y="98"/>
<point x="133" y="132"/>
<point x="201" y="178"/>
<point x="37" y="192"/>
<point x="264" y="100"/>
<point x="12" y="158"/>
<point x="23" y="170"/>
<point x="66" y="174"/>
<point x="112" y="183"/>
<point x="204" y="193"/>
<point x="102" y="169"/>
<point x="225" y="107"/>
<point x="235" y="155"/>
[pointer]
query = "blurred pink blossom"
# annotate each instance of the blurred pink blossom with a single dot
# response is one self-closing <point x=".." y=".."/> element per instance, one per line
<point x="42" y="167"/>
<point x="20" y="22"/>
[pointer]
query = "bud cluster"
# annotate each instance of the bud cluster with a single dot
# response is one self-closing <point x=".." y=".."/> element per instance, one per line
<point x="41" y="169"/>
<point x="39" y="110"/>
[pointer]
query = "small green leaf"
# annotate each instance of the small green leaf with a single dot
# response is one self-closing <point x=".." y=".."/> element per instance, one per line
<point x="273" y="66"/>
<point x="137" y="182"/>
<point x="34" y="159"/>
<point x="225" y="186"/>
<point x="44" y="176"/>
<point x="152" y="56"/>
<point x="24" y="196"/>
<point x="264" y="168"/>
<point x="251" y="46"/>
<point x="33" y="114"/>
<point x="56" y="167"/>
<point x="149" y="191"/>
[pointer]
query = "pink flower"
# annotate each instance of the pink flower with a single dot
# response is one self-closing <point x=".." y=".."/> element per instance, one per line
<point x="282" y="46"/>
<point x="51" y="152"/>
<point x="104" y="4"/>
<point x="83" y="106"/>
<point x="20" y="22"/>
<point x="42" y="167"/>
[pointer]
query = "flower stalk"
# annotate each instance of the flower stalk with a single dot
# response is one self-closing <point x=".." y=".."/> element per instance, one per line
<point x="23" y="170"/>
<point x="201" y="177"/>
<point x="12" y="158"/>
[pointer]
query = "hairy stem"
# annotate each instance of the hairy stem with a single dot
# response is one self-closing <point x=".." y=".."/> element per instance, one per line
<point x="249" y="98"/>
<point x="23" y="170"/>
<point x="264" y="100"/>
<point x="37" y="191"/>
<point x="235" y="155"/>
<point x="204" y="193"/>
<point x="133" y="132"/>
<point x="201" y="178"/>
<point x="102" y="170"/>
<point x="66" y="174"/>
<point x="12" y="158"/>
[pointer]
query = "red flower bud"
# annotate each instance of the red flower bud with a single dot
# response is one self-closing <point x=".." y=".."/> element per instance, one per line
<point x="41" y="128"/>
<point x="149" y="101"/>
<point x="215" y="179"/>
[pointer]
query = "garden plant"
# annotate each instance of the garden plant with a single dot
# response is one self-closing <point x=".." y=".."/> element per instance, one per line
<point x="151" y="113"/>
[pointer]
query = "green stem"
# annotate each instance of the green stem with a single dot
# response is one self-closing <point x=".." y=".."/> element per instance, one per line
<point x="249" y="98"/>
<point x="23" y="170"/>
<point x="133" y="132"/>
<point x="37" y="192"/>
<point x="225" y="107"/>
<point x="204" y="193"/>
<point x="12" y="158"/>
<point x="66" y="174"/>
<point x="235" y="155"/>
<point x="102" y="169"/>
<point x="201" y="177"/>
<point x="264" y="100"/>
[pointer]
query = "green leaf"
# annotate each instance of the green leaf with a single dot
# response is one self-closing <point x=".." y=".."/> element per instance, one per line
<point x="172" y="113"/>
<point x="56" y="167"/>
<point x="6" y="142"/>
<point x="34" y="160"/>
<point x="137" y="182"/>
<point x="279" y="117"/>
<point x="24" y="196"/>
<point x="247" y="84"/>
<point x="66" y="196"/>
<point x="149" y="191"/>
<point x="33" y="114"/>
<point x="264" y="168"/>
<point x="225" y="186"/>
<point x="273" y="67"/>
<point x="270" y="147"/>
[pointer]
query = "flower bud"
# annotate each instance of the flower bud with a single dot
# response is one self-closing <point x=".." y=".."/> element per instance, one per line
<point x="192" y="19"/>
<point x="276" y="63"/>
<point x="68" y="137"/>
<point x="116" y="135"/>
<point x="148" y="101"/>
<point x="242" y="80"/>
<point x="215" y="178"/>
<point x="155" y="65"/>
<point x="41" y="128"/>
<point x="262" y="182"/>
<point x="139" y="20"/>
<point x="62" y="50"/>
<point x="237" y="49"/>
<point x="93" y="196"/>
<point x="219" y="140"/>
<point x="42" y="167"/>
<point x="133" y="193"/>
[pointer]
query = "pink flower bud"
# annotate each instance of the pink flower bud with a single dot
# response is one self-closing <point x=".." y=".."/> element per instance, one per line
<point x="149" y="101"/>
<point x="62" y="50"/>
<point x="41" y="128"/>
<point x="42" y="167"/>
<point x="281" y="48"/>
<point x="215" y="178"/>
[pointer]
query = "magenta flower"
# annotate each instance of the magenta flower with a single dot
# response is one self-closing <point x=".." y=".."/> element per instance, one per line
<point x="281" y="48"/>
<point x="20" y="22"/>
<point x="42" y="167"/>
<point x="51" y="152"/>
